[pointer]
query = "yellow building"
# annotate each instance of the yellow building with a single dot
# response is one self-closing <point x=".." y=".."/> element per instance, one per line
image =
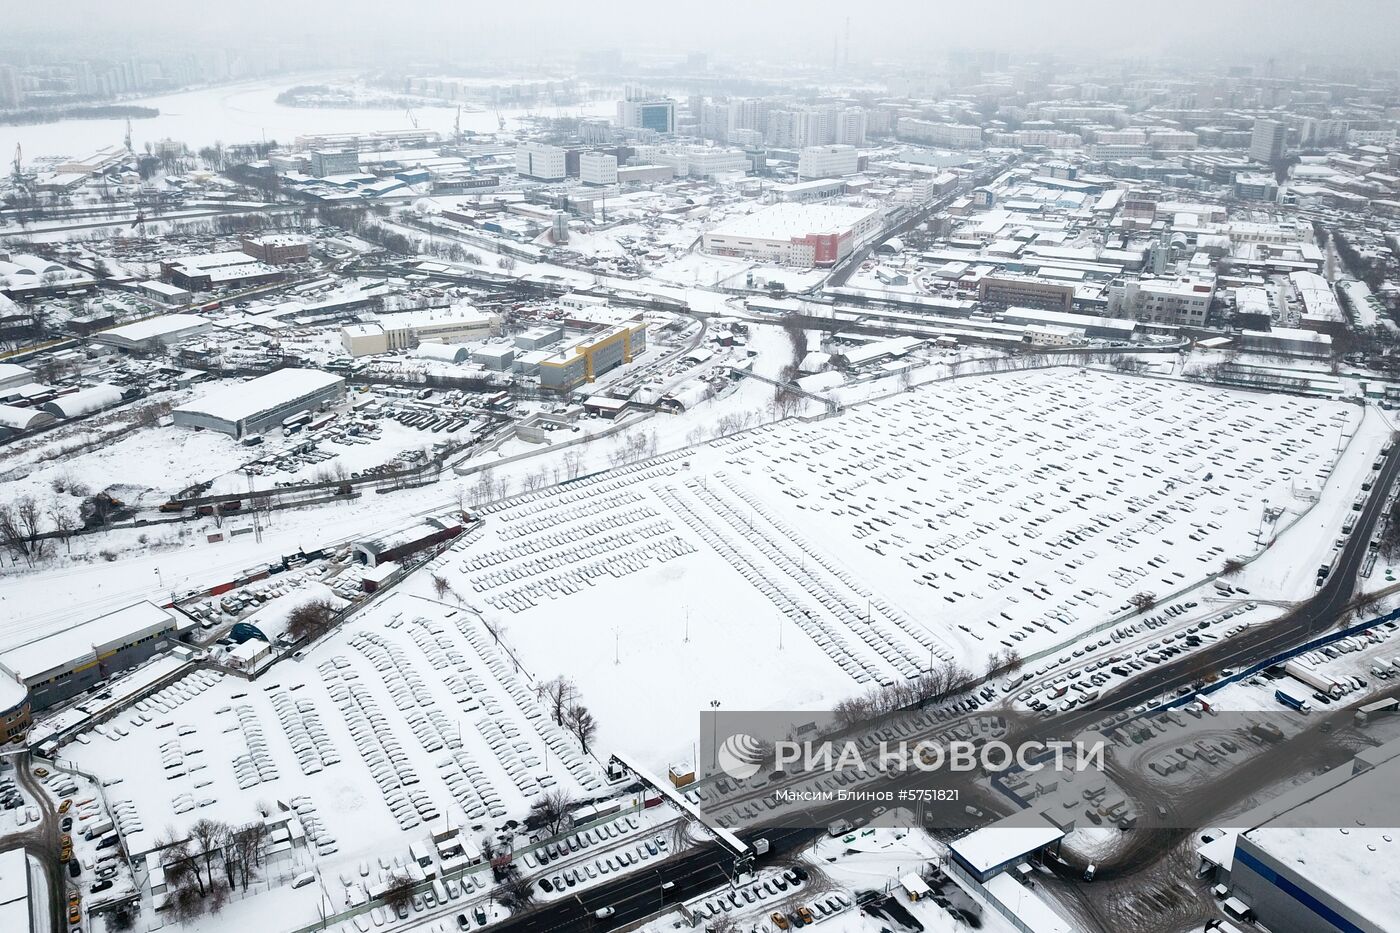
<point x="588" y="358"/>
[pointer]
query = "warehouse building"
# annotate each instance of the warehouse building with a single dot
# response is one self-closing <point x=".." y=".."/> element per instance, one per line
<point x="277" y="249"/>
<point x="262" y="403"/>
<point x="1286" y="341"/>
<point x="164" y="292"/>
<point x="804" y="235"/>
<point x="15" y="719"/>
<point x="1026" y="291"/>
<point x="16" y="896"/>
<point x="13" y="374"/>
<point x="85" y="401"/>
<point x="537" y="338"/>
<point x="405" y="543"/>
<point x="154" y="333"/>
<point x="15" y="420"/>
<point x="61" y="665"/>
<point x="412" y="328"/>
<point x="1319" y="857"/>
<point x="591" y="356"/>
<point x="1106" y="328"/>
<point x="232" y="269"/>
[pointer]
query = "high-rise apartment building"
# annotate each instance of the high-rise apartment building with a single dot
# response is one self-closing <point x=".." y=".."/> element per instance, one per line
<point x="1268" y="142"/>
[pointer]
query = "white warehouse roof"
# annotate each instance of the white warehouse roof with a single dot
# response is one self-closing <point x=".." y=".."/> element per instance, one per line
<point x="785" y="221"/>
<point x="245" y="400"/>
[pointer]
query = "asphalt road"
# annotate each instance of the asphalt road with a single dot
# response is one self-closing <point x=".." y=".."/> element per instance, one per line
<point x="638" y="895"/>
<point x="42" y="840"/>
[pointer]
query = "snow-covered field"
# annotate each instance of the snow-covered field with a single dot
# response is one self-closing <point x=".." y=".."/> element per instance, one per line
<point x="1016" y="510"/>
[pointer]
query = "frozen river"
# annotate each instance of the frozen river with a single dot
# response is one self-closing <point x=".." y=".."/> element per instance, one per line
<point x="248" y="112"/>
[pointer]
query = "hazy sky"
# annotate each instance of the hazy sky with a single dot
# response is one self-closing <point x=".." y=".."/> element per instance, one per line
<point x="1239" y="29"/>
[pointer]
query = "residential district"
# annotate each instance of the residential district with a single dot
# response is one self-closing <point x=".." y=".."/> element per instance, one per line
<point x="385" y="502"/>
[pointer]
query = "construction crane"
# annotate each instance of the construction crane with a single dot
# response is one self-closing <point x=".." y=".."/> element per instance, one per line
<point x="457" y="126"/>
<point x="127" y="138"/>
<point x="500" y="120"/>
<point x="411" y="118"/>
<point x="19" y="166"/>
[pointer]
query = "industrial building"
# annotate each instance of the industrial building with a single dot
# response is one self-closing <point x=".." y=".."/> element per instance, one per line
<point x="1088" y="325"/>
<point x="1321" y="856"/>
<point x="56" y="667"/>
<point x="597" y="168"/>
<point x="406" y="542"/>
<point x="85" y="401"/>
<point x="803" y="235"/>
<point x="537" y="338"/>
<point x="15" y="420"/>
<point x="644" y="174"/>
<point x="540" y="161"/>
<point x="265" y="402"/>
<point x="334" y="162"/>
<point x="16" y="913"/>
<point x="1026" y="291"/>
<point x="1181" y="301"/>
<point x="590" y="356"/>
<point x="164" y="291"/>
<point x="233" y="269"/>
<point x="410" y="328"/>
<point x="154" y="333"/>
<point x="277" y="249"/>
<point x="1286" y="341"/>
<point x="13" y="374"/>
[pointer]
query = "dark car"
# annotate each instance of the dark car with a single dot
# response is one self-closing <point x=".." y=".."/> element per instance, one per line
<point x="74" y="868"/>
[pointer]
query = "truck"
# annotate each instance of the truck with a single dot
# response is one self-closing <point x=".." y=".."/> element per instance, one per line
<point x="1292" y="698"/>
<point x="100" y="828"/>
<point x="1299" y="670"/>
<point x="1388" y="705"/>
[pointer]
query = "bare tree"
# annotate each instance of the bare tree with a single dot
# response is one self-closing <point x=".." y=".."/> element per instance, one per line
<point x="206" y="841"/>
<point x="64" y="522"/>
<point x="399" y="892"/>
<point x="311" y="620"/>
<point x="1143" y="601"/>
<point x="573" y="463"/>
<point x="20" y="527"/>
<point x="551" y="811"/>
<point x="559" y="694"/>
<point x="514" y="893"/>
<point x="1232" y="567"/>
<point x="441" y="585"/>
<point x="583" y="725"/>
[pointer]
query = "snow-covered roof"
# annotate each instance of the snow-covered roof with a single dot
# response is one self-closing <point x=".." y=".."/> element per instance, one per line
<point x="61" y="649"/>
<point x="13" y="372"/>
<point x="22" y="419"/>
<point x="14" y="890"/>
<point x="85" y="402"/>
<point x="994" y="845"/>
<point x="784" y="221"/>
<point x="154" y="328"/>
<point x="245" y="400"/>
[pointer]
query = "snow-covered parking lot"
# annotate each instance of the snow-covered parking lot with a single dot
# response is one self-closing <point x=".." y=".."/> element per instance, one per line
<point x="1017" y="511"/>
<point x="408" y="719"/>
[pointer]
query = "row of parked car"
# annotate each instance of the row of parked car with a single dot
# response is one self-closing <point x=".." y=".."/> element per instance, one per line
<point x="616" y="860"/>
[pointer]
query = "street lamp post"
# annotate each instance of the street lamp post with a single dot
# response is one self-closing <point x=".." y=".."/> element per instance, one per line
<point x="714" y="733"/>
